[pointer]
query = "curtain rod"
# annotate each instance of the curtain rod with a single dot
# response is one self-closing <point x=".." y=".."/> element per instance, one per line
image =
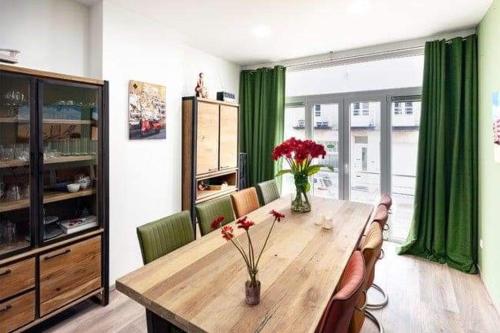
<point x="407" y="48"/>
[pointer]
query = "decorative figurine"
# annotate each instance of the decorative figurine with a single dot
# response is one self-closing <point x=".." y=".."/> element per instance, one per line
<point x="200" y="89"/>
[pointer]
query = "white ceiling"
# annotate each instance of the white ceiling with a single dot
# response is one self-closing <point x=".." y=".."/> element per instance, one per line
<point x="260" y="31"/>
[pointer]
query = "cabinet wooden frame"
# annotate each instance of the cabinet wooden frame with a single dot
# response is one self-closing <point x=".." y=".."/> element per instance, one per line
<point x="36" y="166"/>
<point x="190" y="147"/>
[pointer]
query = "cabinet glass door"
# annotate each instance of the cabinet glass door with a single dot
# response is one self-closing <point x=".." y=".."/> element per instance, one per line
<point x="15" y="201"/>
<point x="70" y="133"/>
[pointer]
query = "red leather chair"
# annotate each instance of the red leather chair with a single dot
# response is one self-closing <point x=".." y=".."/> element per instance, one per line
<point x="340" y="309"/>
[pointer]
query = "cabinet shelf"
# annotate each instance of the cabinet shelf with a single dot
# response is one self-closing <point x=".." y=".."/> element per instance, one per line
<point x="68" y="121"/>
<point x="211" y="194"/>
<point x="13" y="120"/>
<point x="48" y="197"/>
<point x="54" y="160"/>
<point x="14" y="246"/>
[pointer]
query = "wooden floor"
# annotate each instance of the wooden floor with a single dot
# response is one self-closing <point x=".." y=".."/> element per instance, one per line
<point x="424" y="297"/>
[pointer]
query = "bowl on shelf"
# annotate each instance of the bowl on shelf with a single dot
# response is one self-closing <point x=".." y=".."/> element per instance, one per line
<point x="75" y="187"/>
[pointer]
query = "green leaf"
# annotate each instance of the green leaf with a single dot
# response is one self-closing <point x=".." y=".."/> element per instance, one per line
<point x="282" y="172"/>
<point x="308" y="187"/>
<point x="313" y="169"/>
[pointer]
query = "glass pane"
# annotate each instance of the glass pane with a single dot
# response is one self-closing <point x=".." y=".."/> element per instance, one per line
<point x="405" y="130"/>
<point x="365" y="151"/>
<point x="295" y="126"/>
<point x="14" y="163"/>
<point x="70" y="141"/>
<point x="325" y="123"/>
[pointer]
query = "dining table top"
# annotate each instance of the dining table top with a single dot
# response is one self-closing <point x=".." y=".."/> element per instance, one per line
<point x="200" y="287"/>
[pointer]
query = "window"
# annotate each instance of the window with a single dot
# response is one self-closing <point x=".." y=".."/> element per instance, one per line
<point x="397" y="108"/>
<point x="365" y="109"/>
<point x="317" y="110"/>
<point x="409" y="107"/>
<point x="355" y="109"/>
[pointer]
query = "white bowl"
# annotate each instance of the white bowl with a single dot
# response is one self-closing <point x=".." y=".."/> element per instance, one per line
<point x="73" y="187"/>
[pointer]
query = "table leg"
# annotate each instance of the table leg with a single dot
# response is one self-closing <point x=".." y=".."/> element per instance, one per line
<point x="157" y="324"/>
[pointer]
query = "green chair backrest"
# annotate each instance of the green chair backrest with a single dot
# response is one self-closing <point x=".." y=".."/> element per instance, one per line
<point x="268" y="191"/>
<point x="208" y="211"/>
<point x="165" y="235"/>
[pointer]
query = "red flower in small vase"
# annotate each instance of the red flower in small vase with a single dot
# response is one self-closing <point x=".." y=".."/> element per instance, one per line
<point x="277" y="215"/>
<point x="216" y="222"/>
<point x="227" y="232"/>
<point x="245" y="224"/>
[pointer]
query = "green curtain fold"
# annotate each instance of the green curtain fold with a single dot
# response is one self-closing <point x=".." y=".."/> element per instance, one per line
<point x="262" y="105"/>
<point x="445" y="222"/>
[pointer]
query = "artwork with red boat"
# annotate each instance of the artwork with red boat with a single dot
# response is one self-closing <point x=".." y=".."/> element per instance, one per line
<point x="147" y="111"/>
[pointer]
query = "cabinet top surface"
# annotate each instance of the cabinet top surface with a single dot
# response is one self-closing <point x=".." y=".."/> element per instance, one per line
<point x="50" y="75"/>
<point x="213" y="101"/>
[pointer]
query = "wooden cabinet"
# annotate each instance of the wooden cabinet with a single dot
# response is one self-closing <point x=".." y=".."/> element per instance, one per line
<point x="55" y="129"/>
<point x="209" y="150"/>
<point x="228" y="137"/>
<point x="17" y="277"/>
<point x="69" y="273"/>
<point x="207" y="138"/>
<point x="17" y="312"/>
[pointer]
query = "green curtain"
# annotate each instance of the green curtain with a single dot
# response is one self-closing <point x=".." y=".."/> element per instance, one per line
<point x="262" y="105"/>
<point x="445" y="222"/>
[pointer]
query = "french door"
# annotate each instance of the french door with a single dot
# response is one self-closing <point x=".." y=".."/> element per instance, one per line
<point x="359" y="131"/>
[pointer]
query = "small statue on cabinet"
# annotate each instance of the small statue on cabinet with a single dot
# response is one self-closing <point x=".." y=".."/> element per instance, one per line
<point x="200" y="89"/>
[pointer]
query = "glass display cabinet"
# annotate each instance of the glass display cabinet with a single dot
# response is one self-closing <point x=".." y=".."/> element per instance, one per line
<point x="53" y="194"/>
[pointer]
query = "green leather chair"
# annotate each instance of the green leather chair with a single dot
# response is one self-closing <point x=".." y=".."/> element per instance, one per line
<point x="268" y="191"/>
<point x="208" y="211"/>
<point x="165" y="235"/>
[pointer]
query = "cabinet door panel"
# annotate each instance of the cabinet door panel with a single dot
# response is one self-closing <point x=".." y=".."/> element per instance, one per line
<point x="17" y="277"/>
<point x="207" y="138"/>
<point x="228" y="137"/>
<point x="17" y="312"/>
<point x="69" y="273"/>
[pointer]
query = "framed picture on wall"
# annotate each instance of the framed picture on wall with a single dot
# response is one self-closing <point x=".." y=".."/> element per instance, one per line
<point x="146" y="111"/>
<point x="496" y="125"/>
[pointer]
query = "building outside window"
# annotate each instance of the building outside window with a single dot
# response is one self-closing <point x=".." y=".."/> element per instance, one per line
<point x="409" y="108"/>
<point x="317" y="110"/>
<point x="397" y="108"/>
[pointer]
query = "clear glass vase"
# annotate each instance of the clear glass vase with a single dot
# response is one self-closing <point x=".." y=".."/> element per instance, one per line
<point x="300" y="201"/>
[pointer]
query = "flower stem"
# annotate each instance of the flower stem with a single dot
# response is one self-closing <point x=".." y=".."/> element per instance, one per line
<point x="265" y="243"/>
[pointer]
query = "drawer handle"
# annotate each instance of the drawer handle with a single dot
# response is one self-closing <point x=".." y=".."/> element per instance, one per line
<point x="6" y="308"/>
<point x="225" y="167"/>
<point x="213" y="169"/>
<point x="57" y="254"/>
<point x="6" y="272"/>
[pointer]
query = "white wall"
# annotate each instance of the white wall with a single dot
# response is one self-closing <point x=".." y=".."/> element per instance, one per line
<point x="145" y="176"/>
<point x="110" y="42"/>
<point x="52" y="35"/>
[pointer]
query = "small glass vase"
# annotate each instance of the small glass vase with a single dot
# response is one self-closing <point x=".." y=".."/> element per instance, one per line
<point x="252" y="293"/>
<point x="300" y="201"/>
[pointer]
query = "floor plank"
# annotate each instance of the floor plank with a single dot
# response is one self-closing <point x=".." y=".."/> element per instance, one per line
<point x="424" y="297"/>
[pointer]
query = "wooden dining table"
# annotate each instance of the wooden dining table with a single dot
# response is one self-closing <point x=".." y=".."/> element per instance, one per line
<point x="200" y="287"/>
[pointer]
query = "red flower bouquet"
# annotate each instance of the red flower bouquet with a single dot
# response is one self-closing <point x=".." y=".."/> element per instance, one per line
<point x="299" y="155"/>
<point x="250" y="258"/>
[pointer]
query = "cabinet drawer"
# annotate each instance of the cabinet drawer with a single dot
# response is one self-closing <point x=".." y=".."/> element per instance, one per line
<point x="17" y="312"/>
<point x="69" y="273"/>
<point x="17" y="277"/>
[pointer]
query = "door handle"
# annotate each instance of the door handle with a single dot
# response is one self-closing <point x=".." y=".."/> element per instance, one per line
<point x="5" y="308"/>
<point x="6" y="272"/>
<point x="57" y="254"/>
<point x="346" y="168"/>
